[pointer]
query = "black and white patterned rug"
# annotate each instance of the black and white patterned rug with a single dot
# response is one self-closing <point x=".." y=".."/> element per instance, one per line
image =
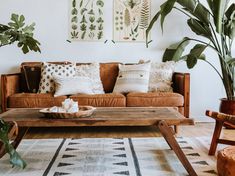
<point x="110" y="157"/>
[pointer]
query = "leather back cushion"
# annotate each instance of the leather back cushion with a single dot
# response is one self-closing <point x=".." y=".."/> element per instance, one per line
<point x="31" y="73"/>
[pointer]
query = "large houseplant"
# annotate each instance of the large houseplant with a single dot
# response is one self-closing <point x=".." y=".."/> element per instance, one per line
<point x="16" y="31"/>
<point x="216" y="24"/>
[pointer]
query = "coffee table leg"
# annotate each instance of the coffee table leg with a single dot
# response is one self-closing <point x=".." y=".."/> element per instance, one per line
<point x="21" y="133"/>
<point x="170" y="139"/>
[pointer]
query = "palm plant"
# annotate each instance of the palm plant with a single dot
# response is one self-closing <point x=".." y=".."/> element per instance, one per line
<point x="15" y="31"/>
<point x="216" y="24"/>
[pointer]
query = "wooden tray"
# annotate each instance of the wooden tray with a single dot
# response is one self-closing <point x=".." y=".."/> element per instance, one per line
<point x="84" y="111"/>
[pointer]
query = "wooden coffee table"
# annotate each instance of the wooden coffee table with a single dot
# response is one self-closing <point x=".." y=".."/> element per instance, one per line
<point x="162" y="118"/>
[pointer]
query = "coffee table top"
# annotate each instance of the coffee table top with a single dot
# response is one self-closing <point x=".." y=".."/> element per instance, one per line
<point x="108" y="116"/>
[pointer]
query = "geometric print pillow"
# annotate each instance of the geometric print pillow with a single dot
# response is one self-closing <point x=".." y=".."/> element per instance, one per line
<point x="48" y="70"/>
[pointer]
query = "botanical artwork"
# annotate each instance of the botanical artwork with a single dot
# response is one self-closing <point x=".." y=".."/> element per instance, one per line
<point x="131" y="19"/>
<point x="86" y="20"/>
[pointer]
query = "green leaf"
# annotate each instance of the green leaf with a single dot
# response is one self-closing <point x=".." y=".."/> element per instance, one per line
<point x="229" y="27"/>
<point x="198" y="49"/>
<point x="195" y="54"/>
<point x="18" y="22"/>
<point x="175" y="51"/>
<point x="166" y="9"/>
<point x="202" y="13"/>
<point x="199" y="28"/>
<point x="155" y="18"/>
<point x="219" y="10"/>
<point x="74" y="3"/>
<point x="188" y="4"/>
<point x="191" y="61"/>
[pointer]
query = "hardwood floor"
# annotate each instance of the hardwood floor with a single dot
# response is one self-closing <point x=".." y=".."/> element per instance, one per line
<point x="200" y="129"/>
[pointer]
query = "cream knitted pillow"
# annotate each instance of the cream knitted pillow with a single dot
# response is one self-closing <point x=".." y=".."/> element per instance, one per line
<point x="132" y="78"/>
<point x="161" y="76"/>
<point x="91" y="71"/>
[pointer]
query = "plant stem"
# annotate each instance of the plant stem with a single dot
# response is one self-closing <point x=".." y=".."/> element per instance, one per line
<point x="182" y="12"/>
<point x="214" y="69"/>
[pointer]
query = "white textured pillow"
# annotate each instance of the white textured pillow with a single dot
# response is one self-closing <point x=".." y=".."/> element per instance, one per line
<point x="132" y="78"/>
<point x="49" y="70"/>
<point x="161" y="76"/>
<point x="91" y="71"/>
<point x="72" y="85"/>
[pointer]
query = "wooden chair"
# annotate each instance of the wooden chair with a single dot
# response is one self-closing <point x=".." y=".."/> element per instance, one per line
<point x="220" y="120"/>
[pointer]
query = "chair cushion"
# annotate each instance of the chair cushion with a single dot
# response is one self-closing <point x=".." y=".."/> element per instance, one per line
<point x="33" y="100"/>
<point x="101" y="100"/>
<point x="169" y="99"/>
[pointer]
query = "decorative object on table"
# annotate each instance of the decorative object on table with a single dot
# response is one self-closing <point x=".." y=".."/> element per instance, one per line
<point x="133" y="78"/>
<point x="112" y="156"/>
<point x="84" y="111"/>
<point x="86" y="20"/>
<point x="226" y="161"/>
<point x="220" y="119"/>
<point x="17" y="31"/>
<point x="92" y="71"/>
<point x="48" y="70"/>
<point x="217" y="25"/>
<point x="131" y="19"/>
<point x="69" y="109"/>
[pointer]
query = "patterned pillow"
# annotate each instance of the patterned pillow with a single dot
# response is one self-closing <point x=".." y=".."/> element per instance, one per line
<point x="48" y="70"/>
<point x="132" y="78"/>
<point x="91" y="71"/>
<point x="79" y="84"/>
<point x="161" y="76"/>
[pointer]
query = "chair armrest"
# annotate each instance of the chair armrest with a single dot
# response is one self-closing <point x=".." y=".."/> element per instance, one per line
<point x="181" y="85"/>
<point x="10" y="84"/>
<point x="221" y="116"/>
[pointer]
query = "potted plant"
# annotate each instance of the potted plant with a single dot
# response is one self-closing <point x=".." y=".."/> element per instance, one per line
<point x="16" y="31"/>
<point x="216" y="24"/>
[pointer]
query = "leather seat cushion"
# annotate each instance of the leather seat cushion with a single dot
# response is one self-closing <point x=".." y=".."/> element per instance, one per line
<point x="101" y="100"/>
<point x="33" y="100"/>
<point x="157" y="99"/>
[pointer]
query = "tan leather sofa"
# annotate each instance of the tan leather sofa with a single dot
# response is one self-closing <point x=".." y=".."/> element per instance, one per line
<point x="14" y="94"/>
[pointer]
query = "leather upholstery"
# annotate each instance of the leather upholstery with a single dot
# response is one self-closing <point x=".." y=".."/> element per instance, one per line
<point x="101" y="100"/>
<point x="157" y="99"/>
<point x="33" y="100"/>
<point x="12" y="96"/>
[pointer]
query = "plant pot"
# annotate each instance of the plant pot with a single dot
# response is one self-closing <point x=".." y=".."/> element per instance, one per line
<point x="227" y="107"/>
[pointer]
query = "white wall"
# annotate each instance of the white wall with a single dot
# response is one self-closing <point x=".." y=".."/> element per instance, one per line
<point x="51" y="17"/>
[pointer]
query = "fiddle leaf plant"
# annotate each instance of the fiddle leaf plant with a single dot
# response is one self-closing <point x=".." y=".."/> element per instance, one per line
<point x="15" y="158"/>
<point x="216" y="24"/>
<point x="17" y="31"/>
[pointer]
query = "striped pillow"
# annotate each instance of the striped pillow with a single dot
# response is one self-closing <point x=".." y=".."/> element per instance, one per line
<point x="132" y="78"/>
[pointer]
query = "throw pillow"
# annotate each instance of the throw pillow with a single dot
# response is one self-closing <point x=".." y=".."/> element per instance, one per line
<point x="30" y="76"/>
<point x="132" y="78"/>
<point x="72" y="85"/>
<point x="161" y="76"/>
<point x="48" y="70"/>
<point x="91" y="71"/>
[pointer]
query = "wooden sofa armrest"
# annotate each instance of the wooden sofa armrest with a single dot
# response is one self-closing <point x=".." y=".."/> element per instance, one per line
<point x="181" y="85"/>
<point x="10" y="84"/>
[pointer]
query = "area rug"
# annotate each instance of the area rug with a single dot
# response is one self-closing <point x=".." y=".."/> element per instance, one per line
<point x="110" y="157"/>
